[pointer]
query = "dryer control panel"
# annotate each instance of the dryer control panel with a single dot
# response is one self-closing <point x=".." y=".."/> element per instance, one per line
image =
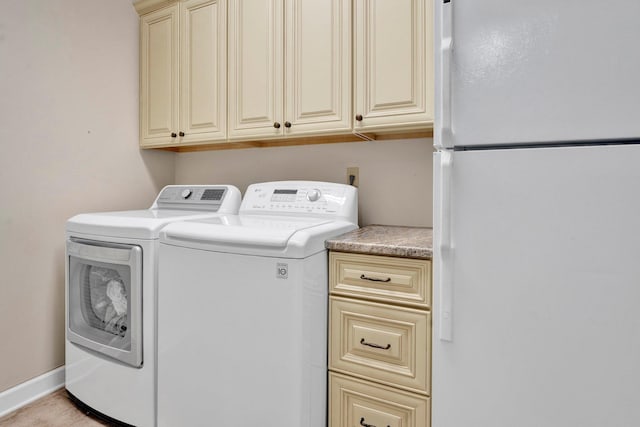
<point x="301" y="198"/>
<point x="212" y="198"/>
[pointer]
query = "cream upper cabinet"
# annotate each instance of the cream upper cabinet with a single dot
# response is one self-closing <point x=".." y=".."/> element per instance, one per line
<point x="393" y="64"/>
<point x="203" y="71"/>
<point x="255" y="68"/>
<point x="317" y="66"/>
<point x="183" y="73"/>
<point x="159" y="77"/>
<point x="289" y="68"/>
<point x="214" y="71"/>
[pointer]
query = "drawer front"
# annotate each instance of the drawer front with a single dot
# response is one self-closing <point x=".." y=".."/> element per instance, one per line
<point x="355" y="403"/>
<point x="387" y="279"/>
<point x="382" y="343"/>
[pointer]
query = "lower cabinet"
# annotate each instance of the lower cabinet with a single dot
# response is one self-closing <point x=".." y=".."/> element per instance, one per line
<point x="355" y="402"/>
<point x="379" y="341"/>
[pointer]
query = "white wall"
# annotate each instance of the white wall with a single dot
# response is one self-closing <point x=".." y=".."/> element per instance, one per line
<point x="395" y="176"/>
<point x="68" y="144"/>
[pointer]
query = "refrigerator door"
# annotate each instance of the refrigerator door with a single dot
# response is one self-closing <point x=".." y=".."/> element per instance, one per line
<point x="522" y="71"/>
<point x="541" y="289"/>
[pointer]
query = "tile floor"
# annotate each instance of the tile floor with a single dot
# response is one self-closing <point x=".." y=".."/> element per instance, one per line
<point x="54" y="410"/>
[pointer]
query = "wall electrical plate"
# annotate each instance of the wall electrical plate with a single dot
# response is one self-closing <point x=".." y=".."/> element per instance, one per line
<point x="353" y="176"/>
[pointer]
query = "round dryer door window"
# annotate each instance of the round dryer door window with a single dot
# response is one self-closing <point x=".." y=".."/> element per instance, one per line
<point x="105" y="299"/>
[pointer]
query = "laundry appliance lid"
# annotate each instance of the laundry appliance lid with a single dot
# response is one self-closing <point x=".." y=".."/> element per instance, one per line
<point x="268" y="235"/>
<point x="135" y="224"/>
<point x="174" y="202"/>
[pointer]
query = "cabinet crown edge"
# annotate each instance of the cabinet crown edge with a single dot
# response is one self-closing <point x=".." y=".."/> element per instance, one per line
<point x="145" y="6"/>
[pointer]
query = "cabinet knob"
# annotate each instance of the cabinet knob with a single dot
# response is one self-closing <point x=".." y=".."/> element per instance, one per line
<point x="359" y="117"/>
<point x="181" y="133"/>
<point x="173" y="135"/>
<point x="276" y="125"/>
<point x="287" y="124"/>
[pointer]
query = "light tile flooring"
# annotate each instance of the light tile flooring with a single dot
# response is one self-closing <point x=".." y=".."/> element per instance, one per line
<point x="54" y="410"/>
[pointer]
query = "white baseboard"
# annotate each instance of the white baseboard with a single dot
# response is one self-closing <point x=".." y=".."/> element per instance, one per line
<point x="22" y="394"/>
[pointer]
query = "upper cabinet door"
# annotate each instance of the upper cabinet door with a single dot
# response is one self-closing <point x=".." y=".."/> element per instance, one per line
<point x="393" y="63"/>
<point x="318" y="66"/>
<point x="159" y="77"/>
<point x="203" y="51"/>
<point x="255" y="69"/>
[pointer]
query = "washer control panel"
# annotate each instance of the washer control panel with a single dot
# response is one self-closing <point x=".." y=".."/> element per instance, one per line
<point x="298" y="200"/>
<point x="300" y="197"/>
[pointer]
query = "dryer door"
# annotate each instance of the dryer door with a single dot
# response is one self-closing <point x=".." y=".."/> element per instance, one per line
<point x="104" y="288"/>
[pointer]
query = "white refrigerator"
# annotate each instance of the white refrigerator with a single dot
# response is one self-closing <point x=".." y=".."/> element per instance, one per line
<point x="537" y="214"/>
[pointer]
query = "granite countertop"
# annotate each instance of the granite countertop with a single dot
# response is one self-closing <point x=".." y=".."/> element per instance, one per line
<point x="389" y="240"/>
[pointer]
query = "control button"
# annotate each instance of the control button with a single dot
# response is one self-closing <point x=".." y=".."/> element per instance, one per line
<point x="313" y="195"/>
<point x="186" y="193"/>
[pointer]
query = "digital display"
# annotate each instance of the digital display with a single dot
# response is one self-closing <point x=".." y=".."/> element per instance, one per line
<point x="212" y="194"/>
<point x="285" y="191"/>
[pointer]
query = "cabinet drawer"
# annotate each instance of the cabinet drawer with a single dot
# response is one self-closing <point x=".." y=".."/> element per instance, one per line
<point x="380" y="342"/>
<point x="387" y="279"/>
<point x="355" y="403"/>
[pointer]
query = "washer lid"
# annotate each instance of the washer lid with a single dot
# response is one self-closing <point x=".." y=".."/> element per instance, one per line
<point x="281" y="236"/>
<point x="139" y="224"/>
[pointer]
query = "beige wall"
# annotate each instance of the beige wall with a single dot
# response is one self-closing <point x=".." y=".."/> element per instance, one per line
<point x="68" y="135"/>
<point x="395" y="176"/>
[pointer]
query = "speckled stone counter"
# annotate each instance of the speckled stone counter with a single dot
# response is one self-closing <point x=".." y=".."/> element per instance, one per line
<point x="389" y="240"/>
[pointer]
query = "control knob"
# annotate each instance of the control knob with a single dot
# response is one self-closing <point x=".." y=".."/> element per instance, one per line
<point x="186" y="193"/>
<point x="313" y="195"/>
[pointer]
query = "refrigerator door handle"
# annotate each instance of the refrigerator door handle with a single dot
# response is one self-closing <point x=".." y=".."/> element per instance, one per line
<point x="445" y="249"/>
<point x="443" y="135"/>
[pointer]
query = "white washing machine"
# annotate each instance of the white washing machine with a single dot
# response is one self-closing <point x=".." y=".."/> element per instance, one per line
<point x="111" y="284"/>
<point x="242" y="335"/>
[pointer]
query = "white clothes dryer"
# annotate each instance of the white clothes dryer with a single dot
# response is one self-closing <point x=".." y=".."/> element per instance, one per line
<point x="242" y="335"/>
<point x="111" y="288"/>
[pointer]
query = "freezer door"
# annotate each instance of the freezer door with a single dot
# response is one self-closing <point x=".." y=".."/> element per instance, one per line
<point x="522" y="71"/>
<point x="540" y="295"/>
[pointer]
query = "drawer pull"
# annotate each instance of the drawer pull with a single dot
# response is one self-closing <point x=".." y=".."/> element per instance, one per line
<point x="373" y="279"/>
<point x="363" y="424"/>
<point x="363" y="342"/>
